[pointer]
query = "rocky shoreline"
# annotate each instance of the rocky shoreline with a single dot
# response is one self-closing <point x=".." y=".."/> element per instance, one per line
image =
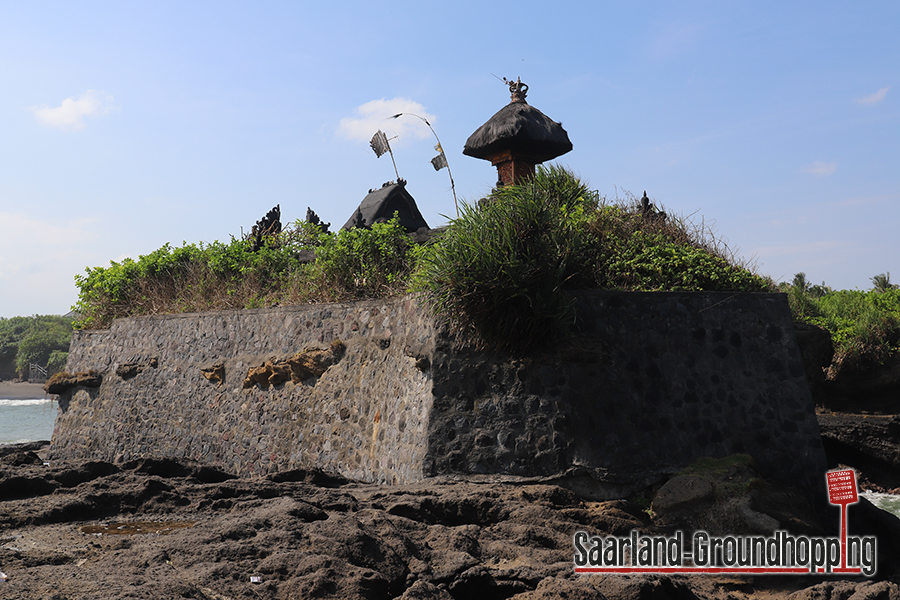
<point x="162" y="528"/>
<point x="173" y="529"/>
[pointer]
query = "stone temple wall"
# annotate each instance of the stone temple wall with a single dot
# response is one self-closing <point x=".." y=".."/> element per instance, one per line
<point x="365" y="417"/>
<point x="645" y="384"/>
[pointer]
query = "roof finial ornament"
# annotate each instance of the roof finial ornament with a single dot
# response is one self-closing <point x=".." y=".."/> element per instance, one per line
<point x="517" y="89"/>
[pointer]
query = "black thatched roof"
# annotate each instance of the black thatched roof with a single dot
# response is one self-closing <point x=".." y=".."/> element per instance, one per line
<point x="381" y="205"/>
<point x="523" y="129"/>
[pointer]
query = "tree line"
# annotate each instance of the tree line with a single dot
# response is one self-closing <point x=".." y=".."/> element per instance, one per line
<point x="39" y="339"/>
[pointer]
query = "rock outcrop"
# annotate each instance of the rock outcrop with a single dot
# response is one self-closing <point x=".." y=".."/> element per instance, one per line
<point x="160" y="528"/>
<point x="62" y="382"/>
<point x="817" y="350"/>
<point x="870" y="443"/>
<point x="311" y="362"/>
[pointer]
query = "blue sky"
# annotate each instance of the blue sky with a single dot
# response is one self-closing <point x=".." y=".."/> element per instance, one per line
<point x="127" y="125"/>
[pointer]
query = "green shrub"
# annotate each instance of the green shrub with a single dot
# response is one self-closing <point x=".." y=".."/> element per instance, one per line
<point x="57" y="362"/>
<point x="500" y="272"/>
<point x="189" y="278"/>
<point x="367" y="263"/>
<point x="644" y="252"/>
<point x="349" y="265"/>
<point x="864" y="326"/>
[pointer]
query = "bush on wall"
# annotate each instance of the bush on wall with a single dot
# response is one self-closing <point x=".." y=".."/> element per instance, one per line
<point x="499" y="274"/>
<point x="348" y="265"/>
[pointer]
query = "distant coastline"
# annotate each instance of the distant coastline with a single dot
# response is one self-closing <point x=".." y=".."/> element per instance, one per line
<point x="19" y="390"/>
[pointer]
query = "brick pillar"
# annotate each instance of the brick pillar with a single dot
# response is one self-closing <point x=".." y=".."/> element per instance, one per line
<point x="511" y="168"/>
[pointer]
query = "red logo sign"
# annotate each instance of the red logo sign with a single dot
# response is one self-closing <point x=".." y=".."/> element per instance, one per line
<point x="842" y="487"/>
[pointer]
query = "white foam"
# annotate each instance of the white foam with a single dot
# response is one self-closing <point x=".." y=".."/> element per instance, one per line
<point x="24" y="401"/>
<point x="886" y="502"/>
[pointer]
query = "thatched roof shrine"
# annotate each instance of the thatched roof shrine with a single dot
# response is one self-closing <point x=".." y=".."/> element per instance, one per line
<point x="381" y="204"/>
<point x="518" y="137"/>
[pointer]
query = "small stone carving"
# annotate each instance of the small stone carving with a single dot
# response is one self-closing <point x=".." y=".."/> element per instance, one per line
<point x="358" y="220"/>
<point x="649" y="211"/>
<point x="517" y="89"/>
<point x="312" y="217"/>
<point x="268" y="226"/>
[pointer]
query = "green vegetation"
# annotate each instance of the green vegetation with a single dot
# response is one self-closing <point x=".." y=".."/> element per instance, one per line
<point x="367" y="263"/>
<point x="499" y="274"/>
<point x="43" y="340"/>
<point x="864" y="326"/>
<point x="349" y="265"/>
<point x="501" y="269"/>
<point x="707" y="466"/>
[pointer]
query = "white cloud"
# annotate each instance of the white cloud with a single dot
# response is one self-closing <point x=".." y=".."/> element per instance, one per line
<point x="876" y="98"/>
<point x="375" y="115"/>
<point x="69" y="116"/>
<point x="821" y="169"/>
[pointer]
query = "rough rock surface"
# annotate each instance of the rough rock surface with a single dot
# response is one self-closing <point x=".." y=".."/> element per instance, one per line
<point x="159" y="528"/>
<point x="136" y="365"/>
<point x="679" y="495"/>
<point x="311" y="362"/>
<point x="869" y="387"/>
<point x="62" y="382"/>
<point x="817" y="350"/>
<point x="870" y="443"/>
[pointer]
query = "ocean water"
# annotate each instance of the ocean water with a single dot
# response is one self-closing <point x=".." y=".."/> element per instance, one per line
<point x="26" y="420"/>
<point x="886" y="502"/>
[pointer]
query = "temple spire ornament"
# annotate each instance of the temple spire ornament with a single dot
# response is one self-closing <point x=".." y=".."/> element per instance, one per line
<point x="517" y="138"/>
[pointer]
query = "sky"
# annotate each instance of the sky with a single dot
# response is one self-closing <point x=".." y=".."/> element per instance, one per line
<point x="128" y="125"/>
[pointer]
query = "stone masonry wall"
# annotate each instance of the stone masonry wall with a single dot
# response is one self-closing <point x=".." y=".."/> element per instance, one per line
<point x="646" y="383"/>
<point x="365" y="417"/>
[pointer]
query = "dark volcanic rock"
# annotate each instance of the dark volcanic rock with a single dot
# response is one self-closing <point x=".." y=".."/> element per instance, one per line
<point x="136" y="365"/>
<point x="7" y="449"/>
<point x="170" y="533"/>
<point x="679" y="495"/>
<point x="17" y="459"/>
<point x="865" y="387"/>
<point x="817" y="350"/>
<point x="839" y="590"/>
<point x="870" y="443"/>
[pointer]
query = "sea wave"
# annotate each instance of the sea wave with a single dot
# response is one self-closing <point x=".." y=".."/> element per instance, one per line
<point x="888" y="502"/>
<point x="21" y="441"/>
<point x="24" y="401"/>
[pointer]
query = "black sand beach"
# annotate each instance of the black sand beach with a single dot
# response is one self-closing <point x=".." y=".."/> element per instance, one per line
<point x="19" y="390"/>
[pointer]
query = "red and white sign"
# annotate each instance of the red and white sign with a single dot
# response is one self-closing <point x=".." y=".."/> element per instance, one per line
<point x="842" y="487"/>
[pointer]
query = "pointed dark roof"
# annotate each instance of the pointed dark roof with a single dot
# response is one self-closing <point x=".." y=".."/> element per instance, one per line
<point x="381" y="204"/>
<point x="522" y="129"/>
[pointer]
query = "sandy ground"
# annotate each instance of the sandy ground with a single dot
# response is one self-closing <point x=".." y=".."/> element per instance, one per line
<point x="17" y="390"/>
